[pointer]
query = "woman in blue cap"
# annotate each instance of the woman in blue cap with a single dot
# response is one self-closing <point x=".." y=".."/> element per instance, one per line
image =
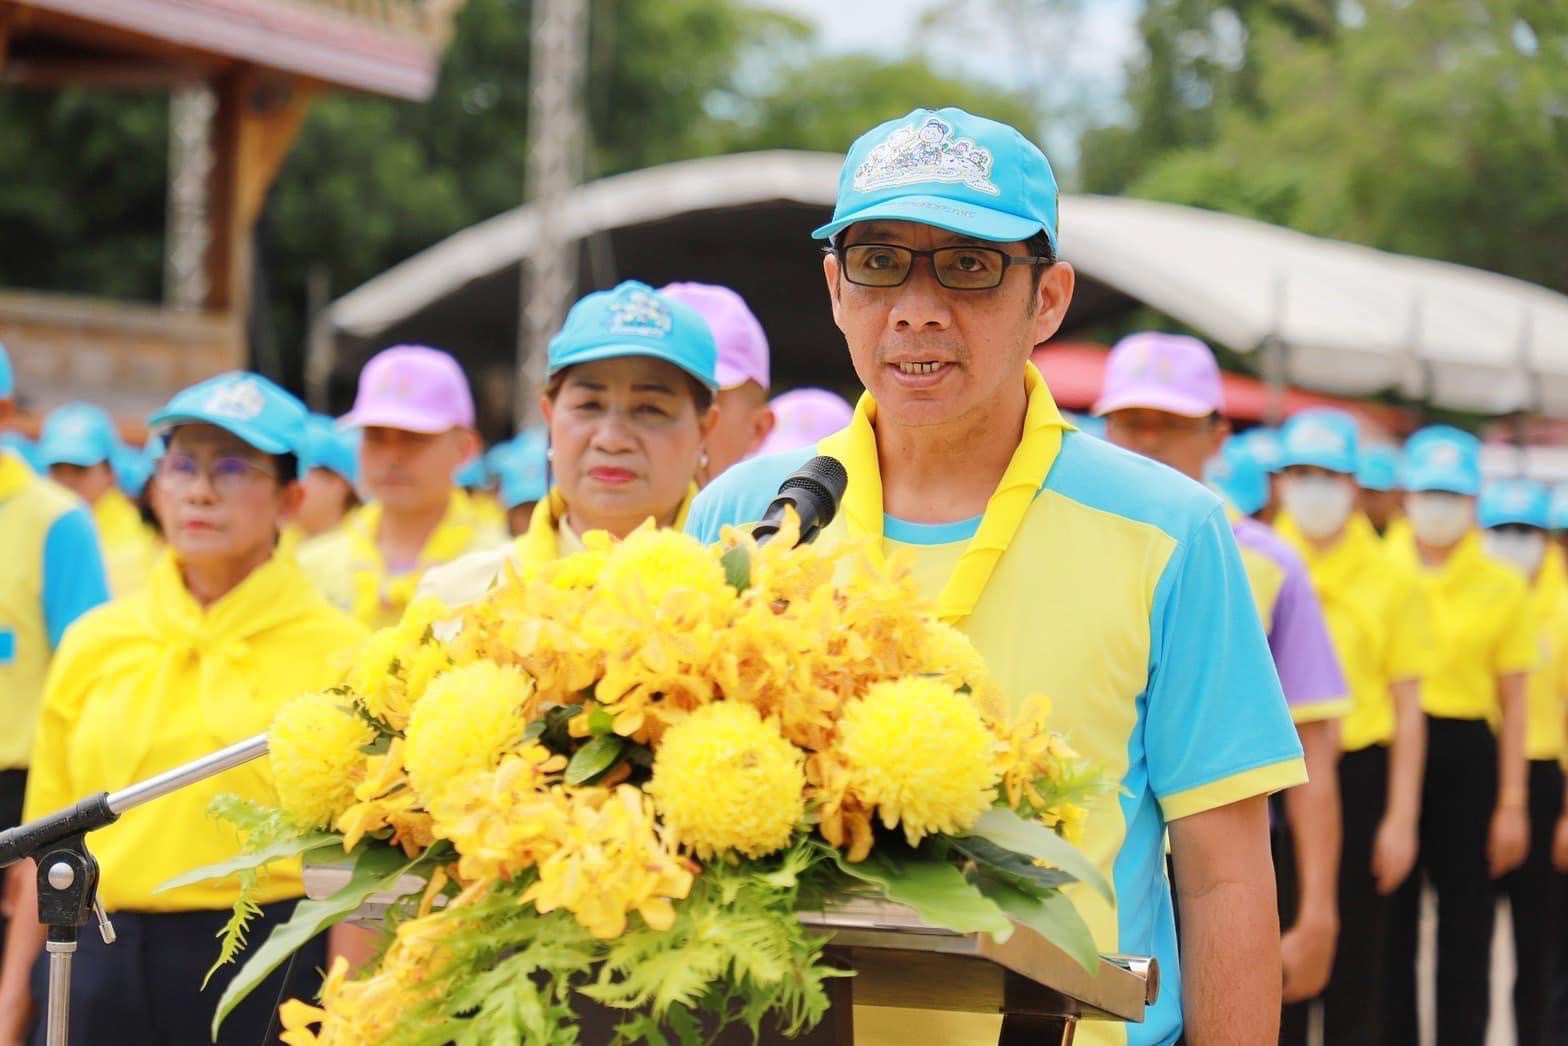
<point x="629" y="407"/>
<point x="329" y="471"/>
<point x="1474" y="824"/>
<point x="227" y="629"/>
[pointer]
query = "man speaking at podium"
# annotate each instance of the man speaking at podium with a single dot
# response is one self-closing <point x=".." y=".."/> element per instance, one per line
<point x="1107" y="582"/>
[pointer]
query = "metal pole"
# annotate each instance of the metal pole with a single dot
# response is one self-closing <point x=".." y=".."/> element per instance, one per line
<point x="58" y="1014"/>
<point x="548" y="277"/>
<point x="196" y="770"/>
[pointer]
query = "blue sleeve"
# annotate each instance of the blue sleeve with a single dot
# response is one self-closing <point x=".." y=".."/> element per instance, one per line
<point x="74" y="578"/>
<point x="742" y="494"/>
<point x="1216" y="728"/>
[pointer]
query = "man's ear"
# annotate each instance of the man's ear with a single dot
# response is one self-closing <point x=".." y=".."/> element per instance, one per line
<point x="1052" y="298"/>
<point x="830" y="271"/>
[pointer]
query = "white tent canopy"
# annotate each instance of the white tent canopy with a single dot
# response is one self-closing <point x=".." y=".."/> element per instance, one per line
<point x="1346" y="319"/>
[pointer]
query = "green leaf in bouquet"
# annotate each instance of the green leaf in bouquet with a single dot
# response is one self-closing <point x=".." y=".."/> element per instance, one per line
<point x="269" y="836"/>
<point x="1016" y="868"/>
<point x="1032" y="839"/>
<point x="932" y="886"/>
<point x="375" y="868"/>
<point x="1052" y="916"/>
<point x="737" y="567"/>
<point x="594" y="758"/>
<point x="600" y="722"/>
<point x="250" y="861"/>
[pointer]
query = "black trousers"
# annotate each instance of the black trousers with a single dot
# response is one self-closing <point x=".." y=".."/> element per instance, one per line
<point x="1457" y="797"/>
<point x="13" y="785"/>
<point x="1535" y="894"/>
<point x="145" y="989"/>
<point x="1353" y="1002"/>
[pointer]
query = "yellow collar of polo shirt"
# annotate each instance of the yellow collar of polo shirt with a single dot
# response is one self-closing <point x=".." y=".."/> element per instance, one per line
<point x="374" y="586"/>
<point x="541" y="542"/>
<point x="14" y="474"/>
<point x="856" y="448"/>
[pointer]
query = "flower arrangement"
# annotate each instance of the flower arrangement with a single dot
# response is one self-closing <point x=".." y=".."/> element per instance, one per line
<point x="621" y="773"/>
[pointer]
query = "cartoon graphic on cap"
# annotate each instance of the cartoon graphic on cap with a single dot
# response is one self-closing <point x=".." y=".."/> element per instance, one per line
<point x="926" y="153"/>
<point x="640" y="313"/>
<point x="1311" y="436"/>
<point x="241" y="400"/>
<point x="395" y="383"/>
<point x="1443" y="455"/>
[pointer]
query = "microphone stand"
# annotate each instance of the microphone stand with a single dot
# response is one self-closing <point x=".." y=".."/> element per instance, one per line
<point x="68" y="872"/>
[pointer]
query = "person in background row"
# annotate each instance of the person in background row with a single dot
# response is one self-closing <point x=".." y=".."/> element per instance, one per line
<point x="629" y="406"/>
<point x="227" y="629"/>
<point x="329" y="474"/>
<point x="1377" y="474"/>
<point x="78" y="446"/>
<point x="1381" y="624"/>
<point x="51" y="572"/>
<point x="803" y="416"/>
<point x="1237" y="476"/>
<point x="1262" y="444"/>
<point x="1077" y="569"/>
<point x="525" y="476"/>
<point x="479" y="482"/>
<point x="1474" y="822"/>
<point x="417" y="417"/>
<point x="745" y="418"/>
<point x="25" y="449"/>
<point x="1163" y="399"/>
<point x="1515" y="516"/>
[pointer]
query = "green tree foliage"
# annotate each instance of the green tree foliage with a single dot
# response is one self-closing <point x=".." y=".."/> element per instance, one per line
<point x="1437" y="128"/>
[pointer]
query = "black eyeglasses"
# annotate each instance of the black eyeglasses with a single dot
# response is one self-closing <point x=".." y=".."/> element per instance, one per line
<point x="957" y="268"/>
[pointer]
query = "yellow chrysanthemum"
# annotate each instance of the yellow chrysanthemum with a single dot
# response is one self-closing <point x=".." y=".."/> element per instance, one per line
<point x="725" y="779"/>
<point x="467" y="719"/>
<point x="918" y="751"/>
<point x="315" y="748"/>
<point x="951" y="656"/>
<point x="613" y="861"/>
<point x="653" y="563"/>
<point x="374" y="679"/>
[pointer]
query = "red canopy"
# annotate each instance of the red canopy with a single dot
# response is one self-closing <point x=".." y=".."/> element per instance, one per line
<point x="1075" y="370"/>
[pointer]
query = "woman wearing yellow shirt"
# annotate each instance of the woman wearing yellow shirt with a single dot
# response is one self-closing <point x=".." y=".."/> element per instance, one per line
<point x="1378" y="616"/>
<point x="227" y="629"/>
<point x="1474" y="825"/>
<point x="629" y="406"/>
<point x="1515" y="514"/>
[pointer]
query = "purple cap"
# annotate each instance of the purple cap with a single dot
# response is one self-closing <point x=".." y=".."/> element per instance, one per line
<point x="804" y="416"/>
<point x="743" y="348"/>
<point x="413" y="388"/>
<point x="1174" y="373"/>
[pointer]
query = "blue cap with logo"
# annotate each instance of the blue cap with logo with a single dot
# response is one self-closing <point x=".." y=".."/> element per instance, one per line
<point x="242" y="403"/>
<point x="1238" y="476"/>
<point x="1321" y="436"/>
<point x="7" y="377"/>
<point x="1377" y="467"/>
<point x="633" y="319"/>
<point x="77" y="434"/>
<point x="132" y="469"/>
<point x="329" y="447"/>
<point x="23" y="448"/>
<point x="1443" y="458"/>
<point x="473" y="474"/>
<point x="525" y="470"/>
<point x="1523" y="501"/>
<point x="951" y="169"/>
<point x="1261" y="445"/>
<point x="1557" y="508"/>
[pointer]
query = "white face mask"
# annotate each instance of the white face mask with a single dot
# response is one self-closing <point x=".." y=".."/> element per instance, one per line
<point x="1318" y="504"/>
<point x="1521" y="549"/>
<point x="1439" y="518"/>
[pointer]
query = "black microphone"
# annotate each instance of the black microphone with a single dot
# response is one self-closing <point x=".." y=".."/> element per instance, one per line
<point x="814" y="489"/>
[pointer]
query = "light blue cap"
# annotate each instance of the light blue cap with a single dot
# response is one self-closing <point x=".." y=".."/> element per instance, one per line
<point x="332" y="448"/>
<point x="22" y="447"/>
<point x="245" y="404"/>
<point x="1237" y="475"/>
<point x="1378" y="467"/>
<point x="1441" y="457"/>
<point x="1262" y="446"/>
<point x="633" y="319"/>
<point x="132" y="469"/>
<point x="1557" y="508"/>
<point x="7" y="376"/>
<point x="473" y="474"/>
<point x="1320" y="436"/>
<point x="77" y="434"/>
<point x="1514" y="501"/>
<point x="950" y="169"/>
<point x="525" y="470"/>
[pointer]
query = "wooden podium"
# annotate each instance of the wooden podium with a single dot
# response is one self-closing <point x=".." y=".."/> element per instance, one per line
<point x="1040" y="991"/>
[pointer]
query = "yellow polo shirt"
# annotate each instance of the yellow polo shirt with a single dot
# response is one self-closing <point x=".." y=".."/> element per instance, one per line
<point x="130" y="546"/>
<point x="152" y="681"/>
<point x="1548" y="692"/>
<point x="1378" y="614"/>
<point x="1482" y="627"/>
<point x="347" y="566"/>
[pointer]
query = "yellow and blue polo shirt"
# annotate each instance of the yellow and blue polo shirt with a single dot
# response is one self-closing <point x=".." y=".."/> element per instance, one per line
<point x="51" y="572"/>
<point x="1124" y="599"/>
